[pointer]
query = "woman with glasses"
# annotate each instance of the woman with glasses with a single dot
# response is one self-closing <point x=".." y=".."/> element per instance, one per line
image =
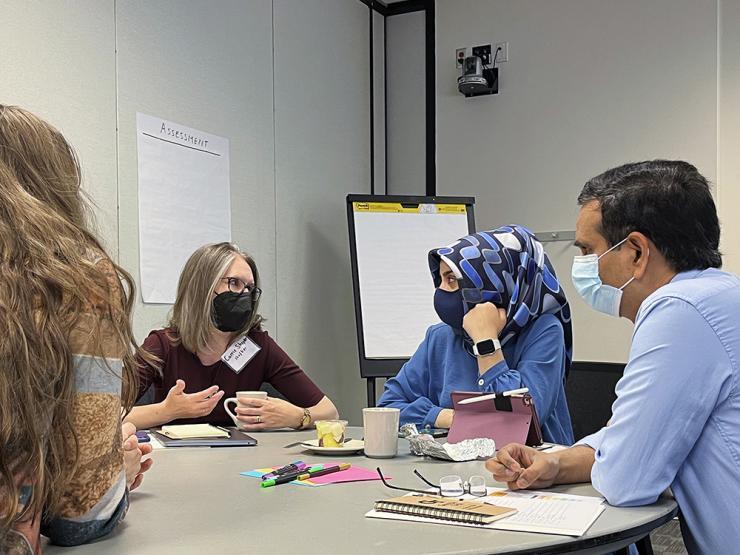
<point x="216" y="309"/>
<point x="505" y="325"/>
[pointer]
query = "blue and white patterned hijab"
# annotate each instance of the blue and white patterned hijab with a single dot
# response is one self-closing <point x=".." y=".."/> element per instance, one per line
<point x="509" y="268"/>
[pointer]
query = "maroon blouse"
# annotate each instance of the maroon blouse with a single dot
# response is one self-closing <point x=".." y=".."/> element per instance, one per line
<point x="271" y="364"/>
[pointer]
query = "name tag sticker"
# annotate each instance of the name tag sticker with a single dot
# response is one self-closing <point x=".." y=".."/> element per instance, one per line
<point x="240" y="352"/>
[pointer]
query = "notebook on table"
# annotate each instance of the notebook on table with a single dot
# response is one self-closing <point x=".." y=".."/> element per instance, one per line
<point x="536" y="511"/>
<point x="193" y="431"/>
<point x="202" y="435"/>
<point x="441" y="508"/>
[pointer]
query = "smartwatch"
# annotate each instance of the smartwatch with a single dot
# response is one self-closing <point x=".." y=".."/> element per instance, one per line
<point x="486" y="347"/>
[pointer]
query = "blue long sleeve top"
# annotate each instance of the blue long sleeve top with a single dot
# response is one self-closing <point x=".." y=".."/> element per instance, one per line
<point x="676" y="420"/>
<point x="534" y="359"/>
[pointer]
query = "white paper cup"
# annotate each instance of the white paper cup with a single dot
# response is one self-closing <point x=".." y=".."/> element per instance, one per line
<point x="381" y="432"/>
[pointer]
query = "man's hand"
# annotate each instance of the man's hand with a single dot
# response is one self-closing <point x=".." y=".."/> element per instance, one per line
<point x="522" y="467"/>
<point x="179" y="404"/>
<point x="484" y="321"/>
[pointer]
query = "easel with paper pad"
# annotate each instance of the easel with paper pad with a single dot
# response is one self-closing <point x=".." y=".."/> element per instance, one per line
<point x="391" y="235"/>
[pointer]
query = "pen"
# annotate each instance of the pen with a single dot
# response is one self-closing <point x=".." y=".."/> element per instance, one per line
<point x="328" y="470"/>
<point x="223" y="430"/>
<point x="285" y="478"/>
<point x="493" y="396"/>
<point x="287" y="469"/>
<point x="291" y="467"/>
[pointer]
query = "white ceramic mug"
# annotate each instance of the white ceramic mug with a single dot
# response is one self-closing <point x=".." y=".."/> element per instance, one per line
<point x="381" y="432"/>
<point x="242" y="395"/>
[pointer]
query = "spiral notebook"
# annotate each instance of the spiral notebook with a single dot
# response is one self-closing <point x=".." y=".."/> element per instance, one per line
<point x="456" y="510"/>
<point x="535" y="511"/>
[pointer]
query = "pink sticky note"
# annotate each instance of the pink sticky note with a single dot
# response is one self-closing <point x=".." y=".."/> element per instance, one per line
<point x="352" y="474"/>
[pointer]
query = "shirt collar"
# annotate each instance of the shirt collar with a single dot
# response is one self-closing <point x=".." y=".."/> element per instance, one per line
<point x="689" y="274"/>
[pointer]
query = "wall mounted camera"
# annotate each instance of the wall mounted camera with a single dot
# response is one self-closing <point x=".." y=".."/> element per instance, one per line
<point x="477" y="80"/>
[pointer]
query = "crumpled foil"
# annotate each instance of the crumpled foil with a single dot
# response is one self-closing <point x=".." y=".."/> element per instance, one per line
<point x="466" y="450"/>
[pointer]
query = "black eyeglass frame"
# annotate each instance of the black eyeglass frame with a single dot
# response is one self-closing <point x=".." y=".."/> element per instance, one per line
<point x="255" y="292"/>
<point x="425" y="492"/>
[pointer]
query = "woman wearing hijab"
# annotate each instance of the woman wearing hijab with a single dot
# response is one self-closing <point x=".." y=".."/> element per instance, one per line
<point x="505" y="325"/>
<point x="217" y="306"/>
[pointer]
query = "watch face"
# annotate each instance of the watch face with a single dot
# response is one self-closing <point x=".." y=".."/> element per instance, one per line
<point x="485" y="347"/>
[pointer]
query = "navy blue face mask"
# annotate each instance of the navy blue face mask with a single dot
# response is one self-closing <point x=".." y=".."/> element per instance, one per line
<point x="449" y="307"/>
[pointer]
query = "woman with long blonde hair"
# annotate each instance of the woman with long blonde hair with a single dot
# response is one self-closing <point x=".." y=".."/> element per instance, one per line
<point x="66" y="350"/>
<point x="216" y="313"/>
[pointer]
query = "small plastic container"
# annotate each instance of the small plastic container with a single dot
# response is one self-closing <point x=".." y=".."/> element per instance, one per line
<point x="331" y="432"/>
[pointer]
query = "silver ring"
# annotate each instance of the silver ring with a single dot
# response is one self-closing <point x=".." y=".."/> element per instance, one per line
<point x="259" y="419"/>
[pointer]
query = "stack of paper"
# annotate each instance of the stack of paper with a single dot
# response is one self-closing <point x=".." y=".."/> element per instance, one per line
<point x="547" y="512"/>
<point x="537" y="511"/>
<point x="191" y="431"/>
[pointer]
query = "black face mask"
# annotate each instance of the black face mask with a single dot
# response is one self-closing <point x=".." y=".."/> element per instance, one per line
<point x="231" y="311"/>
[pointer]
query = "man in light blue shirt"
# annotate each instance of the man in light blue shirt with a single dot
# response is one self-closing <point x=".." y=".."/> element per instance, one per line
<point x="649" y="237"/>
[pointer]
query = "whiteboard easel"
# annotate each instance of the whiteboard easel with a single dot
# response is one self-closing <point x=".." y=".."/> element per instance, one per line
<point x="390" y="238"/>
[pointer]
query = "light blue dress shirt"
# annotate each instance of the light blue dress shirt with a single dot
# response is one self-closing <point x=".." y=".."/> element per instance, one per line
<point x="534" y="359"/>
<point x="676" y="420"/>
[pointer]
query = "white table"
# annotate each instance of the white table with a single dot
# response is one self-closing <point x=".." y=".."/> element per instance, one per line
<point x="194" y="501"/>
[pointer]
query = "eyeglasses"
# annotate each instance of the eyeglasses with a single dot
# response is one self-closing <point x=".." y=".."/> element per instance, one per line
<point x="237" y="285"/>
<point x="449" y="486"/>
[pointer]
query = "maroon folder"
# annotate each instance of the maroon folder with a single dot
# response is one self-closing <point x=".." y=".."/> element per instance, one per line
<point x="503" y="419"/>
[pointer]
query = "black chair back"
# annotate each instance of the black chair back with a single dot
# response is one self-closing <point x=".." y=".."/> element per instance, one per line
<point x="590" y="392"/>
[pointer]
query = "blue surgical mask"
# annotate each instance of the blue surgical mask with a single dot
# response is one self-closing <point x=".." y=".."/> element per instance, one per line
<point x="449" y="307"/>
<point x="587" y="282"/>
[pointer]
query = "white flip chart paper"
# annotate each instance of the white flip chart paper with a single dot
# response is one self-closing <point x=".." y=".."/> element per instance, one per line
<point x="184" y="200"/>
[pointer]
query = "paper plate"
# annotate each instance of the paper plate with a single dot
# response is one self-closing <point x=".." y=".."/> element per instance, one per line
<point x="352" y="447"/>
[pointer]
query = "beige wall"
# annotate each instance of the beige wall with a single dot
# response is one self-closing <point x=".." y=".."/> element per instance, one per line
<point x="218" y="80"/>
<point x="406" y="85"/>
<point x="728" y="118"/>
<point x="298" y="126"/>
<point x="38" y="42"/>
<point x="322" y="152"/>
<point x="589" y="84"/>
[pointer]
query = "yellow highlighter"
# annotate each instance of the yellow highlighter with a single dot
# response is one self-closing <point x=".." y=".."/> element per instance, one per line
<point x="328" y="470"/>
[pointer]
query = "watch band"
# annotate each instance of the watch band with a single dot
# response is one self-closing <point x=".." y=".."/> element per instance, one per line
<point x="306" y="420"/>
<point x="487" y="347"/>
